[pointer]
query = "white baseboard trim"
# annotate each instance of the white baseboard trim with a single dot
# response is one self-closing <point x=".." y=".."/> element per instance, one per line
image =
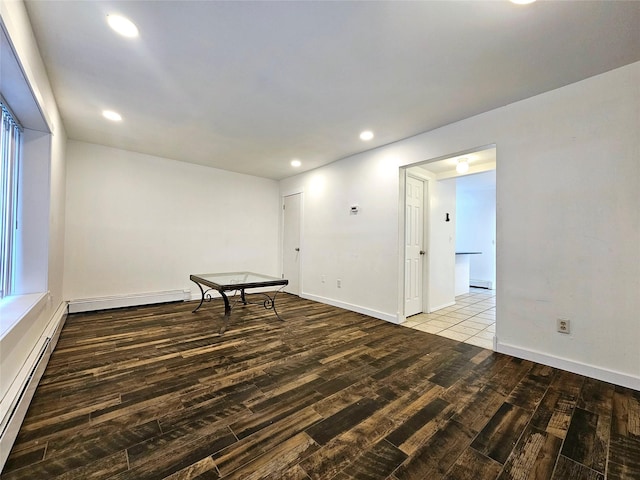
<point x="24" y="386"/>
<point x="131" y="300"/>
<point x="440" y="307"/>
<point x="599" y="373"/>
<point x="354" y="308"/>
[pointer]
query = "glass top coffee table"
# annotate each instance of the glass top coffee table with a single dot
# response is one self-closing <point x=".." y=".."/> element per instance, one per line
<point x="233" y="282"/>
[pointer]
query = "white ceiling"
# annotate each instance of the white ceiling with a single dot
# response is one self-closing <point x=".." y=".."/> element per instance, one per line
<point x="248" y="86"/>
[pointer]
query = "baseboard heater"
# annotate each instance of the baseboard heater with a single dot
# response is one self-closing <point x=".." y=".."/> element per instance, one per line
<point x="24" y="386"/>
<point x="14" y="417"/>
<point x="133" y="300"/>
<point x="481" y="283"/>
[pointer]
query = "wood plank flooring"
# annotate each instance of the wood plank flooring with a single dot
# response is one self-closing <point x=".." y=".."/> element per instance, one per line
<point x="154" y="392"/>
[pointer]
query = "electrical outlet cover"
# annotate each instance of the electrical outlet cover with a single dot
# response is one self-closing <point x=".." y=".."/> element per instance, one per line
<point x="564" y="325"/>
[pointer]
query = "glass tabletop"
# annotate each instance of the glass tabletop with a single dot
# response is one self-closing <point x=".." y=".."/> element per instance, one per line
<point x="230" y="280"/>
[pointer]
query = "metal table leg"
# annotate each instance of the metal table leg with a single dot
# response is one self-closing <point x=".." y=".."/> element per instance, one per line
<point x="202" y="299"/>
<point x="269" y="303"/>
<point x="273" y="304"/>
<point x="227" y="311"/>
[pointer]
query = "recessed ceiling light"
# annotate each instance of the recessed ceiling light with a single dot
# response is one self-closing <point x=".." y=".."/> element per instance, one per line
<point x="122" y="25"/>
<point x="111" y="115"/>
<point x="296" y="163"/>
<point x="366" y="135"/>
<point x="522" y="2"/>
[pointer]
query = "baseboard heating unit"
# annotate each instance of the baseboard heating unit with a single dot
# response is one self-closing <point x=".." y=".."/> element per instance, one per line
<point x="131" y="300"/>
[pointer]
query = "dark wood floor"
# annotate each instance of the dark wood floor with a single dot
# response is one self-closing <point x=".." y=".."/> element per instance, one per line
<point x="153" y="392"/>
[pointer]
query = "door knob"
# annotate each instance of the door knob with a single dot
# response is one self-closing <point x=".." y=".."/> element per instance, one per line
<point x="297" y="249"/>
<point x="422" y="252"/>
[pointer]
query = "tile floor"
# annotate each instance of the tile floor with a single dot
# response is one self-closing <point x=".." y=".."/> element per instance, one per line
<point x="471" y="320"/>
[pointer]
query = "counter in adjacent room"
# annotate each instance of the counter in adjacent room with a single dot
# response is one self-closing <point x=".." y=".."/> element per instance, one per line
<point x="462" y="271"/>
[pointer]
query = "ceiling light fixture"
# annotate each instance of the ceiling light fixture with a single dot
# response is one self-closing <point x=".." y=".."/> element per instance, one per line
<point x="122" y="25"/>
<point x="111" y="115"/>
<point x="366" y="135"/>
<point x="462" y="166"/>
<point x="522" y="2"/>
<point x="296" y="163"/>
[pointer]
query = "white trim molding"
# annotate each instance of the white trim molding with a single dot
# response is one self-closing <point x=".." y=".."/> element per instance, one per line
<point x="354" y="308"/>
<point x="599" y="373"/>
<point x="440" y="307"/>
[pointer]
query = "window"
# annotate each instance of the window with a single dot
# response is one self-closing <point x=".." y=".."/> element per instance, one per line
<point x="10" y="153"/>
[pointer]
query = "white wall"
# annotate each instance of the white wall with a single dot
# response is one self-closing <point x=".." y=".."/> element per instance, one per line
<point x="568" y="222"/>
<point x="476" y="230"/>
<point x="361" y="250"/>
<point x="141" y="224"/>
<point x="442" y="241"/>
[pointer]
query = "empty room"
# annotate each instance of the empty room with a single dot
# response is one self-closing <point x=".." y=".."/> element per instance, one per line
<point x="320" y="240"/>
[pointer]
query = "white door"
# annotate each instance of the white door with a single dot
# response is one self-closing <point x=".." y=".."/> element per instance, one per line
<point x="291" y="242"/>
<point x="414" y="247"/>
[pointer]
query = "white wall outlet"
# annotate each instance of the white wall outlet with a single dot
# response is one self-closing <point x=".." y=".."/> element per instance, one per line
<point x="323" y="278"/>
<point x="339" y="283"/>
<point x="564" y="325"/>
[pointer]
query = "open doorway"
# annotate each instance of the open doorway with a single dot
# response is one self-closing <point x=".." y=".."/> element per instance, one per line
<point x="459" y="250"/>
